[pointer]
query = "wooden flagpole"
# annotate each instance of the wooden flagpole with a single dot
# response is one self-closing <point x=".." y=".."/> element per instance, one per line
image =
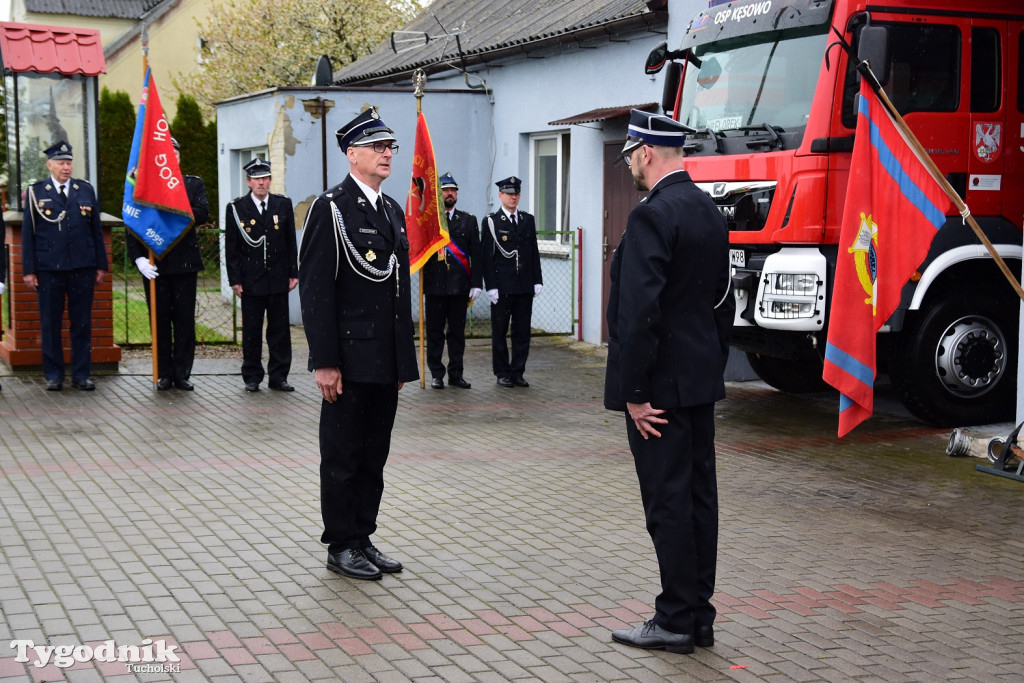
<point x="419" y="80"/>
<point x="152" y="260"/>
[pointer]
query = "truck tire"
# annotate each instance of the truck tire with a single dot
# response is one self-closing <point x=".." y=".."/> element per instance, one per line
<point x="955" y="364"/>
<point x="801" y="376"/>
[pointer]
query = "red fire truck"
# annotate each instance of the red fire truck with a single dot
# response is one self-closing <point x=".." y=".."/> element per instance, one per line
<point x="772" y="97"/>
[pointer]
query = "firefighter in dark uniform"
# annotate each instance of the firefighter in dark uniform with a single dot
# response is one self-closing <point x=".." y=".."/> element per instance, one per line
<point x="63" y="256"/>
<point x="670" y="313"/>
<point x="508" y="246"/>
<point x="451" y="282"/>
<point x="260" y="252"/>
<point x="176" y="281"/>
<point x="357" y="314"/>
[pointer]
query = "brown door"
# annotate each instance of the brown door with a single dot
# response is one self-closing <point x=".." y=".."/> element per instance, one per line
<point x="619" y="199"/>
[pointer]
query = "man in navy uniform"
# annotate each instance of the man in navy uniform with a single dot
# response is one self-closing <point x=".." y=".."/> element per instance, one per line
<point x="508" y="245"/>
<point x="63" y="257"/>
<point x="670" y="313"/>
<point x="260" y="253"/>
<point x="357" y="313"/>
<point x="176" y="290"/>
<point x="450" y="282"/>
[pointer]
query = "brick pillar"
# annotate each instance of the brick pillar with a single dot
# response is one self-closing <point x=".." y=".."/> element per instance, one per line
<point x="21" y="346"/>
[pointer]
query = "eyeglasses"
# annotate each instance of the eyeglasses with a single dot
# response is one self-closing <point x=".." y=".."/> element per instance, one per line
<point x="628" y="156"/>
<point x="379" y="147"/>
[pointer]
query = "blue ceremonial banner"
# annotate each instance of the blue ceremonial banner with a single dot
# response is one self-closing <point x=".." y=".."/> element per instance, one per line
<point x="155" y="205"/>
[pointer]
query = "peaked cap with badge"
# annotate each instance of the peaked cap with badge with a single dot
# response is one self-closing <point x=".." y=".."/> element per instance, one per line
<point x="365" y="129"/>
<point x="510" y="185"/>
<point x="257" y="168"/>
<point x="658" y="130"/>
<point x="448" y="182"/>
<point x="59" y="150"/>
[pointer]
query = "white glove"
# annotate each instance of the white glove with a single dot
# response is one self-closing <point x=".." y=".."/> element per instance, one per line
<point x="492" y="294"/>
<point x="474" y="292"/>
<point x="147" y="269"/>
<point x="536" y="289"/>
<point x="2" y="287"/>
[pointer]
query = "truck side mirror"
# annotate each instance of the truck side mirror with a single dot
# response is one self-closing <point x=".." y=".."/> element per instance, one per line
<point x="656" y="59"/>
<point x="668" y="93"/>
<point x="873" y="48"/>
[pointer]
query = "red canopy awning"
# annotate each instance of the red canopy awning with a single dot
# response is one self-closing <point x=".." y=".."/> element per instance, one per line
<point x="51" y="49"/>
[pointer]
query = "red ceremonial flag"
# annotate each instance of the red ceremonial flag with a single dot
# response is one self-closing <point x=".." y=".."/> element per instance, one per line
<point x="423" y="223"/>
<point x="158" y="181"/>
<point x="893" y="209"/>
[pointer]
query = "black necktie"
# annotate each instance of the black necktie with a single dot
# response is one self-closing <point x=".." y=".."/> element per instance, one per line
<point x="63" y="195"/>
<point x="515" y="224"/>
<point x="380" y="205"/>
<point x="263" y="207"/>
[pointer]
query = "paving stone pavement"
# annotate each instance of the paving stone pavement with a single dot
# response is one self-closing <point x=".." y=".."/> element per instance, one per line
<point x="193" y="518"/>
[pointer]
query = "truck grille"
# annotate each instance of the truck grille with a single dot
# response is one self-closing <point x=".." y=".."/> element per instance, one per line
<point x="745" y="206"/>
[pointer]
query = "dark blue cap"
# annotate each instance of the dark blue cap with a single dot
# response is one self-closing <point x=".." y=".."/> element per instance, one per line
<point x="60" y="150"/>
<point x="364" y="129"/>
<point x="659" y="130"/>
<point x="509" y="185"/>
<point x="257" y="168"/>
<point x="447" y="181"/>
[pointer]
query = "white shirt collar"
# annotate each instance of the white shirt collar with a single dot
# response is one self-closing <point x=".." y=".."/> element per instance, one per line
<point x="509" y="215"/>
<point x="370" y="193"/>
<point x="67" y="185"/>
<point x="257" y="201"/>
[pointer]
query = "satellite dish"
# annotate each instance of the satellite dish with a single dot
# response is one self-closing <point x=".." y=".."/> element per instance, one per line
<point x="324" y="73"/>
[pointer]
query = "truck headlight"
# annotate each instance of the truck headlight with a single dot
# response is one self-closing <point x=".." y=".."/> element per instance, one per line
<point x="791" y="293"/>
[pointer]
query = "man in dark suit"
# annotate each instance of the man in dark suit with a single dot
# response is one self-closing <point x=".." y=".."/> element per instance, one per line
<point x="670" y="312"/>
<point x="450" y="282"/>
<point x="176" y="290"/>
<point x="357" y="313"/>
<point x="63" y="256"/>
<point x="508" y="246"/>
<point x="260" y="251"/>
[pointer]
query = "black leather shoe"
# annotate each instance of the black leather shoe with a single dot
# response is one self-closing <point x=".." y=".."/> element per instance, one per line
<point x="85" y="384"/>
<point x="382" y="561"/>
<point x="704" y="637"/>
<point x="54" y="385"/>
<point x="184" y="385"/>
<point x="437" y="383"/>
<point x="505" y="382"/>
<point x="650" y="636"/>
<point x="353" y="564"/>
<point x="281" y="386"/>
<point x="459" y="382"/>
<point x="520" y="381"/>
<point x="164" y="383"/>
<point x="252" y="386"/>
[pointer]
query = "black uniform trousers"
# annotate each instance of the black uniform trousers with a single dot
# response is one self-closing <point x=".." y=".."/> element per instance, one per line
<point x="517" y="308"/>
<point x="279" y="337"/>
<point x="679" y="489"/>
<point x="355" y="438"/>
<point x="175" y="324"/>
<point x="77" y="287"/>
<point x="442" y="310"/>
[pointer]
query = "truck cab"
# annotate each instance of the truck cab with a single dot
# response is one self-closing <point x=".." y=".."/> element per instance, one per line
<point x="772" y="94"/>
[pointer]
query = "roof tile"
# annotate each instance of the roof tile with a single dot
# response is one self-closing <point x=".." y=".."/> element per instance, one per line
<point x="51" y="49"/>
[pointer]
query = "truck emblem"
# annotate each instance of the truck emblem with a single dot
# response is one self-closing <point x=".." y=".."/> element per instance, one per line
<point x="987" y="141"/>
<point x="718" y="190"/>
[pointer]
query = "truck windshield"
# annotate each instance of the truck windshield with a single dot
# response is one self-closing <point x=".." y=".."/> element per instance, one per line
<point x="768" y="83"/>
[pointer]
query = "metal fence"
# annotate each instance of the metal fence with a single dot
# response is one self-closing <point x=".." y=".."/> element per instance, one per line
<point x="217" y="316"/>
<point x="555" y="311"/>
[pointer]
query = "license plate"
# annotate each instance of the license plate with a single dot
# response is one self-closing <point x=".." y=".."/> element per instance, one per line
<point x="738" y="258"/>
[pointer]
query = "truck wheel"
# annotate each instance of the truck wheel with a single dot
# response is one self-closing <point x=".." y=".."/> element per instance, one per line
<point x="956" y="363"/>
<point x="792" y="376"/>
